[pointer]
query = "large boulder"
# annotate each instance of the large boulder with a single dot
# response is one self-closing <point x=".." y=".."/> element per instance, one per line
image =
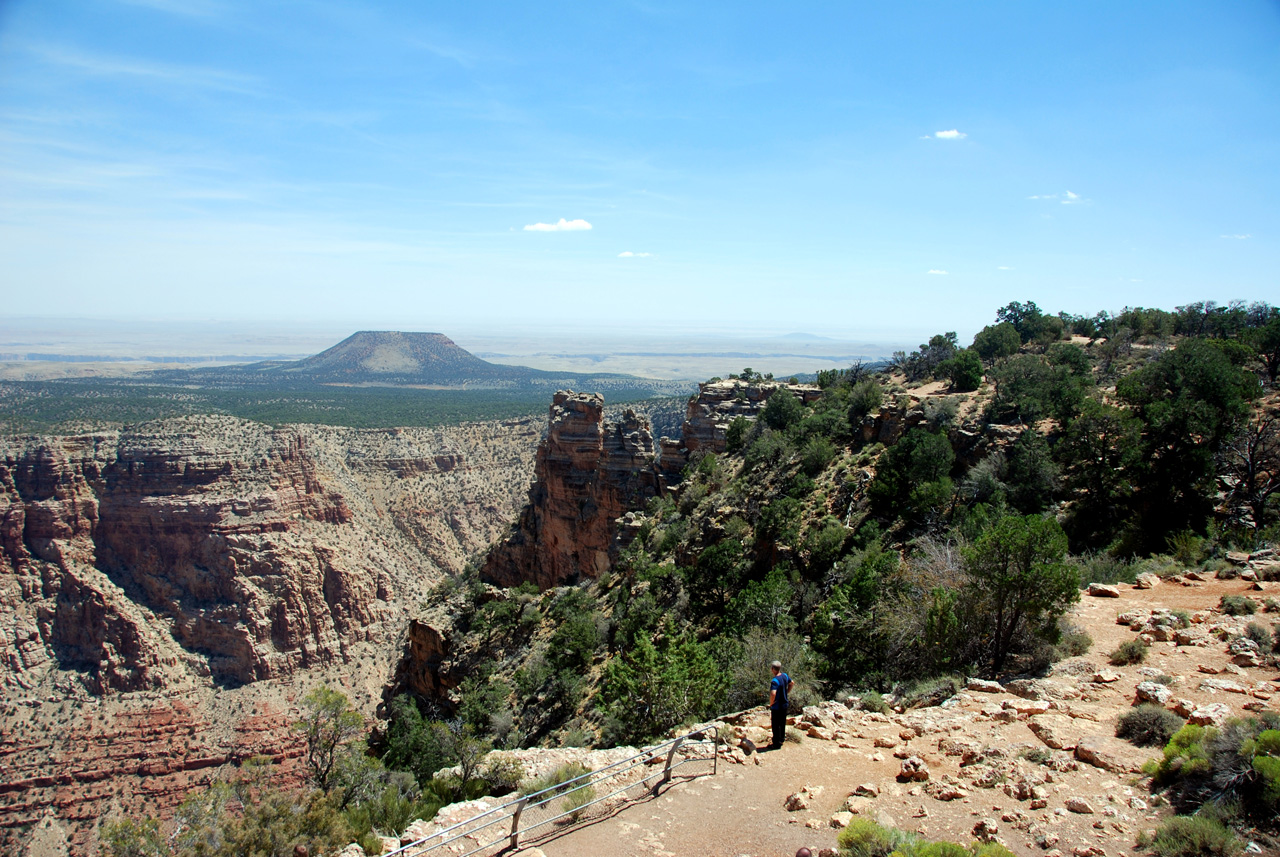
<point x="1110" y="754"/>
<point x="1057" y="731"/>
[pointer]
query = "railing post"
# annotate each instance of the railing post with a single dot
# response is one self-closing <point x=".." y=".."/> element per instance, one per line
<point x="671" y="754"/>
<point x="715" y="753"/>
<point x="515" y="823"/>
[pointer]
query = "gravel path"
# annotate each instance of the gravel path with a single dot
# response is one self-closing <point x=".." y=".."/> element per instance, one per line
<point x="740" y="811"/>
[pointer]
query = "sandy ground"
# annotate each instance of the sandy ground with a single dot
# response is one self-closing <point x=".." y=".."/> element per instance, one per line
<point x="740" y="810"/>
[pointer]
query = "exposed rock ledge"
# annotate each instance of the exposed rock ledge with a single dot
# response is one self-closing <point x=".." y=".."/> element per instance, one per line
<point x="587" y="473"/>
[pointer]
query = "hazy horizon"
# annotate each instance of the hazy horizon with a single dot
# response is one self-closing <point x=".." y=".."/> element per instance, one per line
<point x="890" y="171"/>
<point x="675" y="354"/>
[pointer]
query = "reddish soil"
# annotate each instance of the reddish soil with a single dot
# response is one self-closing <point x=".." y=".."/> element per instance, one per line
<point x="740" y="811"/>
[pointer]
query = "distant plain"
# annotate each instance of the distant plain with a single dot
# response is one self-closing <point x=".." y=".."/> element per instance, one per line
<point x="42" y="349"/>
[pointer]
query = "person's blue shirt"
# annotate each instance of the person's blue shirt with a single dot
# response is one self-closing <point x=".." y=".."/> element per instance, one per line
<point x="779" y="687"/>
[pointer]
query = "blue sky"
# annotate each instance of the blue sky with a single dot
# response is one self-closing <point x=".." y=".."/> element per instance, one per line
<point x="841" y="168"/>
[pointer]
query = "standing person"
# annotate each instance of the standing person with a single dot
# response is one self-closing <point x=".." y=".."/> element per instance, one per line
<point x="779" y="699"/>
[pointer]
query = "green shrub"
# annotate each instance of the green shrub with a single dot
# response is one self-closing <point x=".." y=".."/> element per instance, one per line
<point x="863" y="838"/>
<point x="1128" y="653"/>
<point x="941" y="412"/>
<point x="124" y="837"/>
<point x="1106" y="568"/>
<point x="929" y="692"/>
<point x="865" y="398"/>
<point x="1264" y="755"/>
<point x="873" y="701"/>
<point x="391" y="812"/>
<point x="1261" y="635"/>
<point x="782" y="410"/>
<point x="991" y="849"/>
<point x="1195" y="836"/>
<point x="560" y="782"/>
<point x="964" y="370"/>
<point x="553" y="782"/>
<point x="575" y="802"/>
<point x="769" y="448"/>
<point x="817" y="454"/>
<point x="735" y="438"/>
<point x="1185" y="755"/>
<point x="1037" y="755"/>
<point x="1148" y="725"/>
<point x="1235" y="767"/>
<point x="932" y="849"/>
<point x="1073" y="642"/>
<point x="502" y="774"/>
<point x="1237" y="605"/>
<point x="1186" y="547"/>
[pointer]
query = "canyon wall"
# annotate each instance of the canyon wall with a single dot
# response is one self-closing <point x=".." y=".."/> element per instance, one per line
<point x="169" y="592"/>
<point x="588" y="473"/>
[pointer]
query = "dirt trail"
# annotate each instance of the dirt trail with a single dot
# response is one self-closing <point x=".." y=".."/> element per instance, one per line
<point x="989" y="754"/>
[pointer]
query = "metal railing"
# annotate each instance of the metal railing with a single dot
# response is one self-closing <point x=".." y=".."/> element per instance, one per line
<point x="569" y="802"/>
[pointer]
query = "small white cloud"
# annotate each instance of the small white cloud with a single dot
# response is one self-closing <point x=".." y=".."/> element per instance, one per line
<point x="1237" y="237"/>
<point x="627" y="254"/>
<point x="953" y="134"/>
<point x="1003" y="268"/>
<point x="561" y="226"/>
<point x="1065" y="198"/>
<point x="937" y="271"/>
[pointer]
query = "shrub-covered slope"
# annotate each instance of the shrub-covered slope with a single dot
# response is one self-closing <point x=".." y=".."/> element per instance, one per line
<point x="923" y="520"/>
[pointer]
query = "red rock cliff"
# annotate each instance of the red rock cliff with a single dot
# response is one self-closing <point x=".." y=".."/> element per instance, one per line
<point x="168" y="593"/>
<point x="587" y="473"/>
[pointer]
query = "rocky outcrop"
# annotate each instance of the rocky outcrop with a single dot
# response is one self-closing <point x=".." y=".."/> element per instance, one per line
<point x="424" y="668"/>
<point x="587" y="474"/>
<point x="168" y="592"/>
<point x="212" y="530"/>
<point x="145" y="756"/>
<point x="716" y="405"/>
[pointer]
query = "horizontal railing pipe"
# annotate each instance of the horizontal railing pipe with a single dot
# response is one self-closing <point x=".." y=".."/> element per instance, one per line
<point x="517" y="810"/>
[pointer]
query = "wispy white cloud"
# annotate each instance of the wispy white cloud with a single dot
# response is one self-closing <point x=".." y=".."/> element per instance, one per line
<point x="561" y="226"/>
<point x="1003" y="268"/>
<point x="937" y="271"/>
<point x="953" y="134"/>
<point x="627" y="254"/>
<point x="1244" y="237"/>
<point x="194" y="76"/>
<point x="191" y="8"/>
<point x="448" y="51"/>
<point x="1064" y="198"/>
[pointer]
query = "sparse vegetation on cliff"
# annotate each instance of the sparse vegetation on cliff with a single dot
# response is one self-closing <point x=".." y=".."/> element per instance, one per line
<point x="902" y="534"/>
<point x="887" y="535"/>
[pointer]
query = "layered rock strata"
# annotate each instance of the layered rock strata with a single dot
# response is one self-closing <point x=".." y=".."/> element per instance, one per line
<point x="168" y="593"/>
<point x="588" y="473"/>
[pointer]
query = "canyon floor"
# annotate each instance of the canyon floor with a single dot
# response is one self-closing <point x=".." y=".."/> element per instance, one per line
<point x="1024" y="762"/>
